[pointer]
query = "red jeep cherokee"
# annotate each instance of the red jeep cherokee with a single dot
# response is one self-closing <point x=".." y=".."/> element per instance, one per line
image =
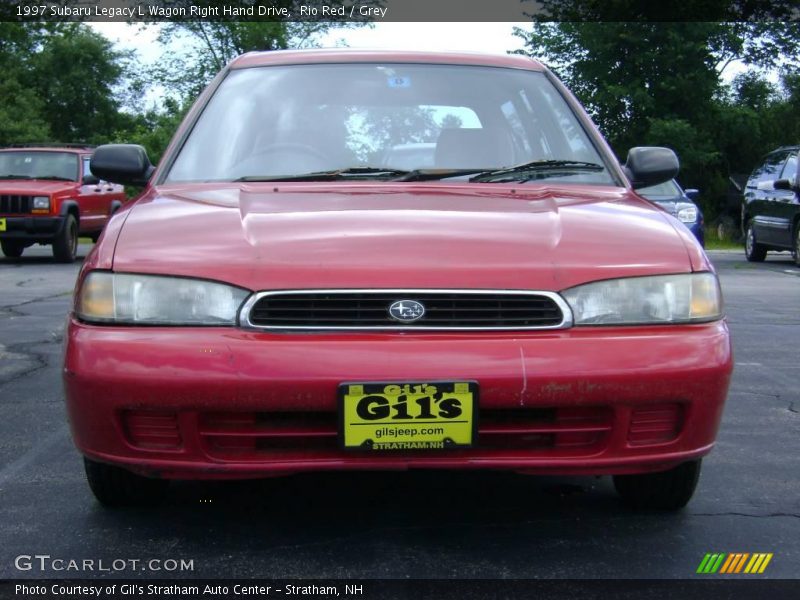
<point x="48" y="195"/>
<point x="284" y="297"/>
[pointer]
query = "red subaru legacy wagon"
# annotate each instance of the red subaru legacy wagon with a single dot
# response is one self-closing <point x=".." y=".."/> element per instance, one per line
<point x="384" y="260"/>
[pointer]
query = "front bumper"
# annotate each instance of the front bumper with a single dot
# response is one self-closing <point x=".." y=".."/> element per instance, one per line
<point x="202" y="403"/>
<point x="32" y="228"/>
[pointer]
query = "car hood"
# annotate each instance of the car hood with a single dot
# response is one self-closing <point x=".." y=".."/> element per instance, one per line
<point x="34" y="187"/>
<point x="301" y="236"/>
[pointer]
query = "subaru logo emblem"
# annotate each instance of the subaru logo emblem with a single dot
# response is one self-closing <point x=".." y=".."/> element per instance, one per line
<point x="406" y="311"/>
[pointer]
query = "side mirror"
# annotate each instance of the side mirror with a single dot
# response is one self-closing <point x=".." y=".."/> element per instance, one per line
<point x="90" y="180"/>
<point x="692" y="194"/>
<point x="650" y="165"/>
<point x="783" y="184"/>
<point x="122" y="163"/>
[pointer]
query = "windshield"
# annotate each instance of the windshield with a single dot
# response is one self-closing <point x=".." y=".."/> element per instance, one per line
<point x="294" y="120"/>
<point x="39" y="165"/>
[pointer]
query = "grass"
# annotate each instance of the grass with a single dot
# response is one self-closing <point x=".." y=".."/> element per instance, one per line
<point x="713" y="243"/>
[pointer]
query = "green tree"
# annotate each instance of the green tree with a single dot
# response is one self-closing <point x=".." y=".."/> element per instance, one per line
<point x="21" y="108"/>
<point x="153" y="128"/>
<point x="76" y="74"/>
<point x="60" y="82"/>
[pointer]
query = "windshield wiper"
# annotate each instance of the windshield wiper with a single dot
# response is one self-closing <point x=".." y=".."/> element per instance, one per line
<point x="54" y="177"/>
<point x="518" y="173"/>
<point x="537" y="166"/>
<point x="9" y="176"/>
<point x="351" y="172"/>
<point x="534" y="169"/>
<point x="435" y="174"/>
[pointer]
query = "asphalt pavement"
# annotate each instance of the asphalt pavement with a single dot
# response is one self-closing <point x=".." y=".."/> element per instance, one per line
<point x="400" y="525"/>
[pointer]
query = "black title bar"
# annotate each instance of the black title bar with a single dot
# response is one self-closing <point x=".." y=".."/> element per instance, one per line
<point x="400" y="10"/>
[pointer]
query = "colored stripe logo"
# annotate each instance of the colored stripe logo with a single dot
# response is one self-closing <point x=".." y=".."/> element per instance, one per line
<point x="737" y="562"/>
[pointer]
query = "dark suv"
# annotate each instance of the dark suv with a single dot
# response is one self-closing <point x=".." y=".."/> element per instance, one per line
<point x="771" y="207"/>
<point x="48" y="195"/>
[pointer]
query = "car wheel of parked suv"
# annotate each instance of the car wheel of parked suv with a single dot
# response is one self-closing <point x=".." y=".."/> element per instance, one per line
<point x="114" y="486"/>
<point x="796" y="248"/>
<point x="754" y="251"/>
<point x="668" y="490"/>
<point x="65" y="246"/>
<point x="12" y="249"/>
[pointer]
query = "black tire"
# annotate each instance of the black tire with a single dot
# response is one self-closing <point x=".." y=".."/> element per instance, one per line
<point x="11" y="248"/>
<point x="114" y="486"/>
<point x="795" y="246"/>
<point x="65" y="246"/>
<point x="753" y="251"/>
<point x="668" y="490"/>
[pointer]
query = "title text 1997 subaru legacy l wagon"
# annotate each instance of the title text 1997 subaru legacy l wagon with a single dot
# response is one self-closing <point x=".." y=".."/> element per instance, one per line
<point x="282" y="298"/>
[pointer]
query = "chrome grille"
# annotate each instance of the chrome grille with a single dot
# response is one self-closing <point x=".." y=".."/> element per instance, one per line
<point x="369" y="310"/>
<point x="15" y="205"/>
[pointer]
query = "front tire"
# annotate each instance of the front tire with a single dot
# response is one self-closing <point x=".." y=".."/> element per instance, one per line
<point x="114" y="486"/>
<point x="668" y="490"/>
<point x="65" y="246"/>
<point x="796" y="246"/>
<point x="753" y="251"/>
<point x="12" y="249"/>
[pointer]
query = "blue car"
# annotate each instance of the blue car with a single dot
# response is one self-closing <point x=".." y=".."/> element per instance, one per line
<point x="680" y="204"/>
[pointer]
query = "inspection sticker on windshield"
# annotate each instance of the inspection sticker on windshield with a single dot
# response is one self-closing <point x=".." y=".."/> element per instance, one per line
<point x="399" y="82"/>
<point x="2" y="224"/>
<point x="408" y="415"/>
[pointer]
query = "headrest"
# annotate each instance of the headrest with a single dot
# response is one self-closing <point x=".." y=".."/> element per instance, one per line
<point x="472" y="148"/>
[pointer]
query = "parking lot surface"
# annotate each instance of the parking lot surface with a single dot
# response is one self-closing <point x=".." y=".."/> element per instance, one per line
<point x="402" y="524"/>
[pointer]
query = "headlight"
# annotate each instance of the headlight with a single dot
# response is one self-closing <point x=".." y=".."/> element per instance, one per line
<point x="41" y="203"/>
<point x="108" y="297"/>
<point x="686" y="298"/>
<point x="688" y="214"/>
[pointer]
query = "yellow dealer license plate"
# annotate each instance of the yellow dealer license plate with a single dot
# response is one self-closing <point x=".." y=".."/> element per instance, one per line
<point x="2" y="224"/>
<point x="408" y="415"/>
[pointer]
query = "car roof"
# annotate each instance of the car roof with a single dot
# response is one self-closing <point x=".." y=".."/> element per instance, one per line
<point x="351" y="55"/>
<point x="784" y="149"/>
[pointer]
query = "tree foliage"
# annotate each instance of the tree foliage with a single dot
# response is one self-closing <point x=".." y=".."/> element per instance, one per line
<point x="75" y="74"/>
<point x="153" y="128"/>
<point x="59" y="82"/>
